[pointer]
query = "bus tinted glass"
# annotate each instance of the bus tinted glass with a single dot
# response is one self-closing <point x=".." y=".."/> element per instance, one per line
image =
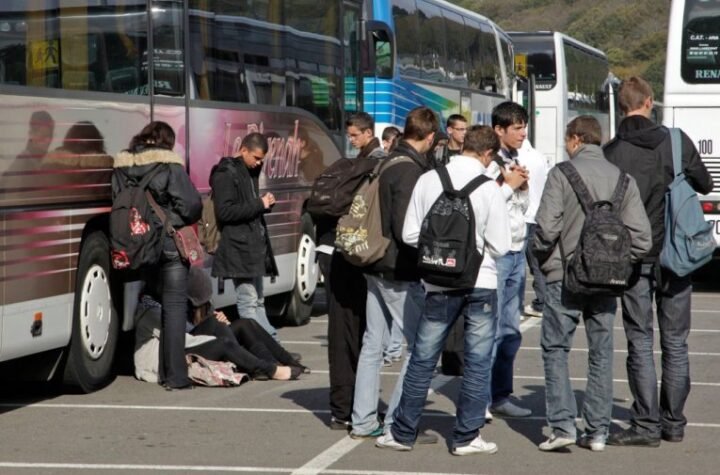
<point x="406" y="34"/>
<point x="541" y="58"/>
<point x="432" y="42"/>
<point x="86" y="46"/>
<point x="586" y="75"/>
<point x="700" y="62"/>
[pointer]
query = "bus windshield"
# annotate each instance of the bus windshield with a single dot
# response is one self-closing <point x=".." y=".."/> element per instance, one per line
<point x="540" y="52"/>
<point x="701" y="42"/>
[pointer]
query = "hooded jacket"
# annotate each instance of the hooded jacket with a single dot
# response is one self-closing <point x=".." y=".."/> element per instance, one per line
<point x="644" y="151"/>
<point x="171" y="186"/>
<point x="244" y="250"/>
<point x="561" y="217"/>
<point x="396" y="186"/>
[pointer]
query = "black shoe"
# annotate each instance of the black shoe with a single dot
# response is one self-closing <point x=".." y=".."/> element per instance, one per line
<point x="426" y="438"/>
<point x="631" y="437"/>
<point x="295" y="372"/>
<point x="670" y="437"/>
<point x="296" y="356"/>
<point x="339" y="424"/>
<point x="178" y="388"/>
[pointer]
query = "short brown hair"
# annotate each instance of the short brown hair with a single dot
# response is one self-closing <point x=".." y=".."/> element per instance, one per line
<point x="420" y="123"/>
<point x="586" y="128"/>
<point x="481" y="138"/>
<point x="633" y="94"/>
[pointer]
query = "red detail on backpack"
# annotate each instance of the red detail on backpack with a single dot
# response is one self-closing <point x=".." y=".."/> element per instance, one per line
<point x="120" y="260"/>
<point x="138" y="226"/>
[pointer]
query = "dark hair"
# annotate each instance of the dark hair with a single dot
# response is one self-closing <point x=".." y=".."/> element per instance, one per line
<point x="154" y="135"/>
<point x="509" y="113"/>
<point x="361" y="120"/>
<point x="391" y="133"/>
<point x="481" y="138"/>
<point x="420" y="123"/>
<point x="255" y="141"/>
<point x="633" y="93"/>
<point x="454" y="119"/>
<point x="586" y="128"/>
<point x="84" y="138"/>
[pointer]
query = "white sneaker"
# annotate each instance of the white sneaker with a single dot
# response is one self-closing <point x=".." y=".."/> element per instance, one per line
<point x="386" y="441"/>
<point x="555" y="442"/>
<point x="488" y="414"/>
<point x="531" y="312"/>
<point x="596" y="443"/>
<point x="477" y="446"/>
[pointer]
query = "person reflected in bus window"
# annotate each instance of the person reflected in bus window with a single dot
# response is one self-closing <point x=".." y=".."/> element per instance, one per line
<point x="244" y="253"/>
<point x="311" y="157"/>
<point x="456" y="129"/>
<point x="644" y="151"/>
<point x="41" y="130"/>
<point x="151" y="151"/>
<point x="211" y="335"/>
<point x="82" y="147"/>
<point x="390" y="138"/>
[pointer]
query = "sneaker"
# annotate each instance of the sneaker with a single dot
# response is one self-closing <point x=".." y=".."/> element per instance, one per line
<point x="377" y="432"/>
<point x="488" y="415"/>
<point x="556" y="442"/>
<point x="387" y="363"/>
<point x="508" y="409"/>
<point x="673" y="437"/>
<point x="477" y="446"/>
<point x="631" y="437"/>
<point x="595" y="443"/>
<point x="426" y="438"/>
<point x="339" y="424"/>
<point x="530" y="311"/>
<point x="387" y="441"/>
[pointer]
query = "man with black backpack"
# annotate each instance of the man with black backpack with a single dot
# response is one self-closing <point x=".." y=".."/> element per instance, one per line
<point x="460" y="279"/>
<point x="643" y="150"/>
<point x="591" y="226"/>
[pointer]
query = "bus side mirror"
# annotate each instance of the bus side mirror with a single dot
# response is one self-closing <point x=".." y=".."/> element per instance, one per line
<point x="380" y="48"/>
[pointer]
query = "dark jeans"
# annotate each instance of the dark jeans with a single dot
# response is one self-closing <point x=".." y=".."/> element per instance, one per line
<point x="346" y="292"/>
<point x="173" y="275"/>
<point x="538" y="302"/>
<point x="244" y="343"/>
<point x="562" y="315"/>
<point x="650" y="415"/>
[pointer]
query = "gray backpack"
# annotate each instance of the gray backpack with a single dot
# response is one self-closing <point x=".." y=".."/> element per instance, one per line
<point x="601" y="263"/>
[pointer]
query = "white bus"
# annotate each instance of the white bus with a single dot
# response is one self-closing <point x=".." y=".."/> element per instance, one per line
<point x="79" y="78"/>
<point x="692" y="86"/>
<point x="433" y="53"/>
<point x="571" y="78"/>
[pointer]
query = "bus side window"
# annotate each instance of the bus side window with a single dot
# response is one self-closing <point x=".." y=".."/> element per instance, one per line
<point x="383" y="55"/>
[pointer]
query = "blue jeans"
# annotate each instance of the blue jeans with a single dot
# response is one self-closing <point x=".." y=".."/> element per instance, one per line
<point x="511" y="278"/>
<point x="562" y="314"/>
<point x="388" y="302"/>
<point x="538" y="302"/>
<point x="651" y="415"/>
<point x="442" y="309"/>
<point x="393" y="346"/>
<point x="251" y="303"/>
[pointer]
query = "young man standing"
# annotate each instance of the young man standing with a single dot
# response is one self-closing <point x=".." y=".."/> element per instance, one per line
<point x="509" y="120"/>
<point x="560" y="221"/>
<point x="394" y="290"/>
<point x="444" y="306"/>
<point x="244" y="253"/>
<point x="643" y="150"/>
<point x="456" y="129"/>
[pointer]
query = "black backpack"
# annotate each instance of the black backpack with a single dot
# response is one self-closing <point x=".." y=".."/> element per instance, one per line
<point x="334" y="189"/>
<point x="447" y="248"/>
<point x="601" y="263"/>
<point x="135" y="235"/>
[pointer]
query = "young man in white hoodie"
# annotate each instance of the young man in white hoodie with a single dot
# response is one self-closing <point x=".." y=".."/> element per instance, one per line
<point x="443" y="306"/>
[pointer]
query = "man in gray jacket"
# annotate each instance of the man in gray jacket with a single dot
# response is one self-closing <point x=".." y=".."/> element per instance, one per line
<point x="561" y="218"/>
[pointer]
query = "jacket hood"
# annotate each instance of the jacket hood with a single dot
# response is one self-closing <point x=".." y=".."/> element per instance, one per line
<point x="641" y="132"/>
<point x="370" y="148"/>
<point x="405" y="149"/>
<point x="147" y="157"/>
<point x="588" y="150"/>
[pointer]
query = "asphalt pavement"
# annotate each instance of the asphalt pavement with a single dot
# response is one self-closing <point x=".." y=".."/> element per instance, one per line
<point x="281" y="427"/>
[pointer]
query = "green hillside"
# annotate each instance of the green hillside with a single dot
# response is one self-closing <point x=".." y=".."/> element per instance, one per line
<point x="633" y="33"/>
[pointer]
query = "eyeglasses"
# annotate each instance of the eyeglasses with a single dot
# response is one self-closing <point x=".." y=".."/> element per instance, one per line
<point x="459" y="129"/>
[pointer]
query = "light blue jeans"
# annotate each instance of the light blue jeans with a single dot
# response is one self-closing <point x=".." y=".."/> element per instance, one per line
<point x="251" y="303"/>
<point x="393" y="347"/>
<point x="561" y="316"/>
<point x="387" y="302"/>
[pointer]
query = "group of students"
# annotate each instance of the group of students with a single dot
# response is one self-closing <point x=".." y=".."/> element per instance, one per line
<point x="175" y="315"/>
<point x="522" y="213"/>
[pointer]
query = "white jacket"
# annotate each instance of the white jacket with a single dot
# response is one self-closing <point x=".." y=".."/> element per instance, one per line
<point x="538" y="168"/>
<point x="517" y="204"/>
<point x="492" y="228"/>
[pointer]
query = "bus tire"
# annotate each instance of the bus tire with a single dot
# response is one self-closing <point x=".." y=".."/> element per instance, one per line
<point x="301" y="298"/>
<point x="91" y="353"/>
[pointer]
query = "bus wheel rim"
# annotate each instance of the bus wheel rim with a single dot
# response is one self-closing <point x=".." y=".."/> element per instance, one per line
<point x="307" y="268"/>
<point x="95" y="311"/>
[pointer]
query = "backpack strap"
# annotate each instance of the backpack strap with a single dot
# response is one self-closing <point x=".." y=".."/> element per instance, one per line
<point x="676" y="141"/>
<point x="466" y="190"/>
<point x="620" y="189"/>
<point x="578" y="185"/>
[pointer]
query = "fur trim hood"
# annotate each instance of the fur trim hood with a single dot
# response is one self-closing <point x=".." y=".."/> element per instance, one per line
<point x="147" y="157"/>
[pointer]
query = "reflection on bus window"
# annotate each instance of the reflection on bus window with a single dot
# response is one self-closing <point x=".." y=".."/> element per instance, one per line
<point x="701" y="43"/>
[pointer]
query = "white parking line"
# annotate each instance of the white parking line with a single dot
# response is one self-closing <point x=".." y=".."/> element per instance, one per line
<point x="328" y="457"/>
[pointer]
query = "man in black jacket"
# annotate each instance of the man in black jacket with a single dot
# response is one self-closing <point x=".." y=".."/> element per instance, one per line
<point x="643" y="150"/>
<point x="244" y="253"/>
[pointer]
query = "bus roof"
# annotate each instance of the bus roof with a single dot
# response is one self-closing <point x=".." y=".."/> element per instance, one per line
<point x="551" y="35"/>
